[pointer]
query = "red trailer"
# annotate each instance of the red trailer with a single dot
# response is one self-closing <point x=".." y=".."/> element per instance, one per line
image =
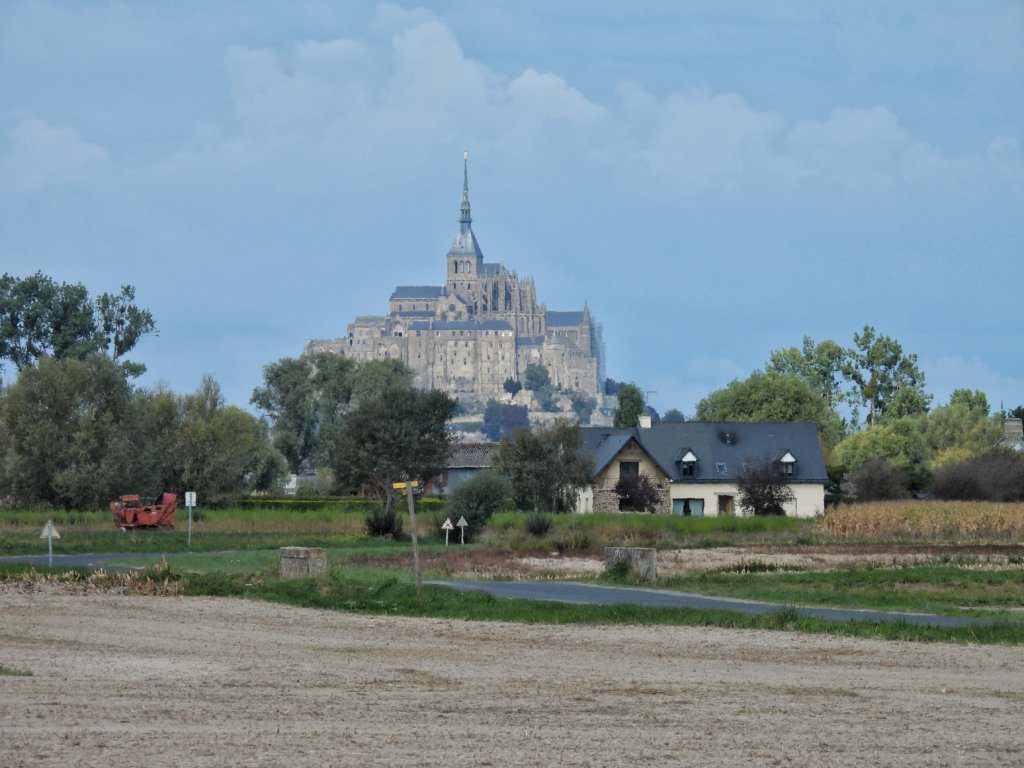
<point x="129" y="512"/>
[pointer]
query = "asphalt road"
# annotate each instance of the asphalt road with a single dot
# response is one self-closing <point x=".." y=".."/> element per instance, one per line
<point x="591" y="594"/>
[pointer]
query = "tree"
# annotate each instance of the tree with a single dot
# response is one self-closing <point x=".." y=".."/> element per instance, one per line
<point x="878" y="369"/>
<point x="225" y="451"/>
<point x="962" y="428"/>
<point x="974" y="400"/>
<point x="477" y="499"/>
<point x="501" y="420"/>
<point x="820" y="365"/>
<point x="536" y="377"/>
<point x="631" y="405"/>
<point x="764" y="489"/>
<point x="582" y="405"/>
<point x="68" y="441"/>
<point x="39" y="316"/>
<point x="772" y="396"/>
<point x="398" y="433"/>
<point x="637" y="493"/>
<point x="547" y="398"/>
<point x="512" y="386"/>
<point x="305" y="400"/>
<point x="674" y="415"/>
<point x="900" y="441"/>
<point x="545" y="466"/>
<point x="1015" y="413"/>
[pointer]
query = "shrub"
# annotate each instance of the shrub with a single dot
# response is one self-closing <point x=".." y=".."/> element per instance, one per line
<point x="477" y="499"/>
<point x="877" y="479"/>
<point x="381" y="521"/>
<point x="763" y="488"/>
<point x="538" y="524"/>
<point x="637" y="493"/>
<point x="994" y="476"/>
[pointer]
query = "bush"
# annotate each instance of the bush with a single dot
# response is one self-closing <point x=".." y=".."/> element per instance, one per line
<point x="877" y="480"/>
<point x="994" y="476"/>
<point x="381" y="521"/>
<point x="764" y="490"/>
<point x="637" y="493"/>
<point x="477" y="499"/>
<point x="538" y="524"/>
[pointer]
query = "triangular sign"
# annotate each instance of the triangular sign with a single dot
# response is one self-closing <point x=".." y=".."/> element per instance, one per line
<point x="448" y="525"/>
<point x="462" y="522"/>
<point x="49" y="530"/>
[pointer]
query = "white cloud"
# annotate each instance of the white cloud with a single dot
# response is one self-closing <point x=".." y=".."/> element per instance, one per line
<point x="40" y="154"/>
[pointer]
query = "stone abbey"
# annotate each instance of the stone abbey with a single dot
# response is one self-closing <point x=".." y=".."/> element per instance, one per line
<point x="482" y="327"/>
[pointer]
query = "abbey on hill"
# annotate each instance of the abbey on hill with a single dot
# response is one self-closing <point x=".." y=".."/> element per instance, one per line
<point x="482" y="327"/>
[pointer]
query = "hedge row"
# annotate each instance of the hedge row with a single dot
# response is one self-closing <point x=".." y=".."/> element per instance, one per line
<point x="328" y="505"/>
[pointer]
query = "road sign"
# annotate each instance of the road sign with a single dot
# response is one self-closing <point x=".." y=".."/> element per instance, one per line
<point x="190" y="498"/>
<point x="446" y="527"/>
<point x="49" y="532"/>
<point x="462" y="529"/>
<point x="401" y="486"/>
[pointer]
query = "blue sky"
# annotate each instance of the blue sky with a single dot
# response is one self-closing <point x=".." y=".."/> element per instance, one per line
<point x="716" y="179"/>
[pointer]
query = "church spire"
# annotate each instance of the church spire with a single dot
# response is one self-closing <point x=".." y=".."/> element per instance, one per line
<point x="465" y="220"/>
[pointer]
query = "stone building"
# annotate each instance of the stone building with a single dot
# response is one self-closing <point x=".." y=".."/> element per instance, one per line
<point x="482" y="327"/>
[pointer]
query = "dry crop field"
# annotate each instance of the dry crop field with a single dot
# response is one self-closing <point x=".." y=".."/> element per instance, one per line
<point x="121" y="680"/>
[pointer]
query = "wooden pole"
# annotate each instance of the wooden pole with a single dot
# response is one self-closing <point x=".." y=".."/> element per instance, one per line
<point x="415" y="542"/>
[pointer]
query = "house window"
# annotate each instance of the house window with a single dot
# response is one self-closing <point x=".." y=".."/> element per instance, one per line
<point x="629" y="468"/>
<point x="689" y="468"/>
<point x="720" y="468"/>
<point x="787" y="468"/>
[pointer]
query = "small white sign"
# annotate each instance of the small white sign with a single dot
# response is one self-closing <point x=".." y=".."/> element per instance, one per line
<point x="49" y="531"/>
<point x="190" y="498"/>
<point x="448" y="525"/>
<point x="462" y="522"/>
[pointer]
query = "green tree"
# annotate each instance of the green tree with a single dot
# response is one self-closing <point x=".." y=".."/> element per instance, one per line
<point x="67" y="438"/>
<point x="501" y="420"/>
<point x="545" y="466"/>
<point x="899" y="441"/>
<point x="512" y="386"/>
<point x="962" y="428"/>
<point x="772" y="396"/>
<point x="878" y="370"/>
<point x="764" y="489"/>
<point x="393" y="433"/>
<point x="674" y="415"/>
<point x="975" y="400"/>
<point x="39" y="316"/>
<point x="820" y="364"/>
<point x="305" y="400"/>
<point x="631" y="405"/>
<point x="536" y="377"/>
<point x="547" y="398"/>
<point x="225" y="451"/>
<point x="637" y="493"/>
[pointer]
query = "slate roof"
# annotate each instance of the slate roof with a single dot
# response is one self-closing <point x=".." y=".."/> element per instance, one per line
<point x="465" y="244"/>
<point x="369" y="320"/>
<point x="418" y="292"/>
<point x="471" y="456"/>
<point x="667" y="442"/>
<point x="563" y="319"/>
<point x="491" y="269"/>
<point x="459" y="325"/>
<point x="415" y="313"/>
<point x="530" y="341"/>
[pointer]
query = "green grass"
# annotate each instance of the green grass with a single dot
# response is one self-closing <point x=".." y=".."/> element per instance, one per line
<point x="948" y="588"/>
<point x="9" y="672"/>
<point x="369" y="592"/>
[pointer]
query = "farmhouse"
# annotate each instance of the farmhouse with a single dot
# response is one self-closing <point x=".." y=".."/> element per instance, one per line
<point x="695" y="465"/>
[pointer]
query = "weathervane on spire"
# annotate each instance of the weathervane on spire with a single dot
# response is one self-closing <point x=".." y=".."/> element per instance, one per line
<point x="465" y="219"/>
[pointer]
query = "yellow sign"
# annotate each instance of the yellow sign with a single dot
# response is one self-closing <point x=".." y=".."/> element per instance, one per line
<point x="400" y="486"/>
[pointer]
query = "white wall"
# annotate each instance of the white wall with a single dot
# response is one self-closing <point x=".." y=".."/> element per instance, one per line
<point x="809" y="501"/>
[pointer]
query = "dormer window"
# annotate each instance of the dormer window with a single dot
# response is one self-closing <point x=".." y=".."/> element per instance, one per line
<point x="688" y="464"/>
<point x="788" y="462"/>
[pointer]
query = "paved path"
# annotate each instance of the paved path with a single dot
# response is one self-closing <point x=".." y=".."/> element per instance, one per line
<point x="592" y="594"/>
<point x="75" y="561"/>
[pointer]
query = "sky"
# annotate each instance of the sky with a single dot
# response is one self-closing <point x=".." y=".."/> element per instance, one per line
<point x="716" y="179"/>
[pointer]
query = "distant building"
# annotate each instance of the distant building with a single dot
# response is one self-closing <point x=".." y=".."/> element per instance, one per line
<point x="482" y="327"/>
<point x="695" y="465"/>
<point x="1013" y="435"/>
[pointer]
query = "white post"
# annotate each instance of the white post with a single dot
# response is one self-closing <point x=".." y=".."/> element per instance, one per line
<point x="190" y="527"/>
<point x="49" y="540"/>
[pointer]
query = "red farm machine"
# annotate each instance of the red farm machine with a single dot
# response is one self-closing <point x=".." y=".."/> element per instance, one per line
<point x="130" y="513"/>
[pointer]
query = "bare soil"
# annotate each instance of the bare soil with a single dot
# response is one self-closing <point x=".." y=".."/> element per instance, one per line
<point x="169" y="681"/>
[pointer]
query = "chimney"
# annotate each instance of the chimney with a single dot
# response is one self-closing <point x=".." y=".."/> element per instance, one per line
<point x="644" y="422"/>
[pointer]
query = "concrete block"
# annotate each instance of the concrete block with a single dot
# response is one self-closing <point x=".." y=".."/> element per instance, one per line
<point x="302" y="562"/>
<point x="643" y="561"/>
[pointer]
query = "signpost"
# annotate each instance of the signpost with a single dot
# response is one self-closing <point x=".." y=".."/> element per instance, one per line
<point x="190" y="501"/>
<point x="462" y="530"/>
<point x="447" y="526"/>
<point x="408" y="488"/>
<point x="49" y="533"/>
